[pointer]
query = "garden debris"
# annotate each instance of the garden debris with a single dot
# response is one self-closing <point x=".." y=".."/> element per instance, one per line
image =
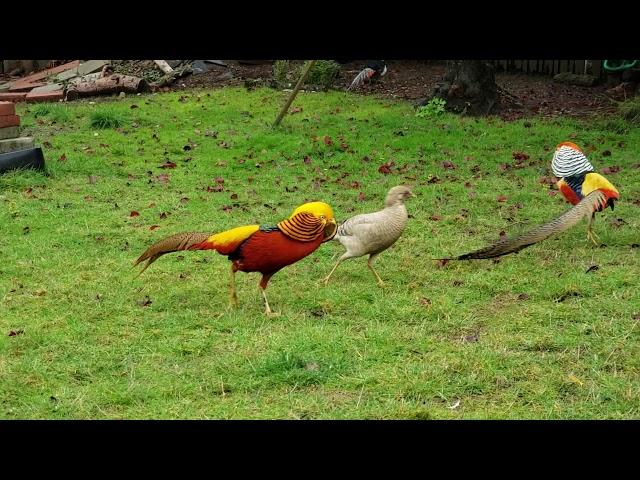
<point x="576" y="79"/>
<point x="622" y="92"/>
<point x="171" y="77"/>
<point x="106" y="83"/>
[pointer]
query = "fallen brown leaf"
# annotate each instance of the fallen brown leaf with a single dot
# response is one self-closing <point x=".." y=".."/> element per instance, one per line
<point x="447" y="165"/>
<point x="145" y="302"/>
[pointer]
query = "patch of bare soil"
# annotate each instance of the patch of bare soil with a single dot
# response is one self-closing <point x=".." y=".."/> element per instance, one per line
<point x="414" y="80"/>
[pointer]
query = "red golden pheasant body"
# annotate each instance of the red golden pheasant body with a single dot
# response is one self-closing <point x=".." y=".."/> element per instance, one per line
<point x="258" y="248"/>
<point x="587" y="191"/>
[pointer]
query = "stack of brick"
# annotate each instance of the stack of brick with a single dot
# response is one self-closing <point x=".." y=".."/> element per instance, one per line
<point x="10" y="140"/>
<point x="48" y="85"/>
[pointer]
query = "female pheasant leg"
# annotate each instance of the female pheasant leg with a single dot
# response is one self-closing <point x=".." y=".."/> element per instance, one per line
<point x="370" y="263"/>
<point x="340" y="260"/>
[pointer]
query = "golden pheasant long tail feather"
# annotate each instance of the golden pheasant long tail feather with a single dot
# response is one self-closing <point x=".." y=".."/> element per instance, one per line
<point x="587" y="206"/>
<point x="174" y="243"/>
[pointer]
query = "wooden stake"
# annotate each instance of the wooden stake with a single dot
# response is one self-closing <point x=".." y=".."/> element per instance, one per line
<point x="164" y="66"/>
<point x="294" y="93"/>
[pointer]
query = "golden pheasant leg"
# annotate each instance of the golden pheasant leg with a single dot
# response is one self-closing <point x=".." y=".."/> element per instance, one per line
<point x="590" y="233"/>
<point x="232" y="287"/>
<point x="263" y="289"/>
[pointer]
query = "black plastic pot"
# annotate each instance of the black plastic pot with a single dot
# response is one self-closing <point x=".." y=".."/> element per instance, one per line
<point x="29" y="158"/>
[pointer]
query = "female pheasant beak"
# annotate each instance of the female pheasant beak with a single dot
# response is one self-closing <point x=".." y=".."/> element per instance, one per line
<point x="330" y="230"/>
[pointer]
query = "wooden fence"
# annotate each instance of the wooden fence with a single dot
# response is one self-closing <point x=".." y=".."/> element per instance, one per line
<point x="551" y="67"/>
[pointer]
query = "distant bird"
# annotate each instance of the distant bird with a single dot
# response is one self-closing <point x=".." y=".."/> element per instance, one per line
<point x="588" y="191"/>
<point x="372" y="233"/>
<point x="373" y="70"/>
<point x="257" y="248"/>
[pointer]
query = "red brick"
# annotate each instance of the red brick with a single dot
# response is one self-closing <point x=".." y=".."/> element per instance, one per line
<point x="7" y="108"/>
<point x="50" y="71"/>
<point x="21" y="86"/>
<point x="9" y="121"/>
<point x="45" y="96"/>
<point x="13" y="97"/>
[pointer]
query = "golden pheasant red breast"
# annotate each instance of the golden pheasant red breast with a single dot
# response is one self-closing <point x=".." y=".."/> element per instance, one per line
<point x="587" y="190"/>
<point x="257" y="248"/>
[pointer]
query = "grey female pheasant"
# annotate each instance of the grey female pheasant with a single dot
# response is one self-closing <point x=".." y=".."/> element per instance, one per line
<point x="372" y="233"/>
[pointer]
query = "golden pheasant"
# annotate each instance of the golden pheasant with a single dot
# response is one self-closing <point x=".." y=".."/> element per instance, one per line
<point x="588" y="191"/>
<point x="257" y="248"/>
<point x="372" y="233"/>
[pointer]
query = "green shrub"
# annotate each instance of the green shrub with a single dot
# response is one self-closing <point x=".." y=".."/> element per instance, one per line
<point x="433" y="108"/>
<point x="322" y="75"/>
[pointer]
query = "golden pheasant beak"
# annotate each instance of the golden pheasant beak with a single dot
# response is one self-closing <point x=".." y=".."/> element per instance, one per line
<point x="330" y="230"/>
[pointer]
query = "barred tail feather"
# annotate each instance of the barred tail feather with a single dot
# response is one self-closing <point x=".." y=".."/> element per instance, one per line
<point x="361" y="77"/>
<point x="589" y="204"/>
<point x="174" y="243"/>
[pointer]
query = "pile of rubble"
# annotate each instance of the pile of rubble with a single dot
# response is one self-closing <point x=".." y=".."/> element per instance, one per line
<point x="76" y="79"/>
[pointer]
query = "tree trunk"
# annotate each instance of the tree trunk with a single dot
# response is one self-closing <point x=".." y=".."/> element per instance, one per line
<point x="469" y="87"/>
<point x="110" y="84"/>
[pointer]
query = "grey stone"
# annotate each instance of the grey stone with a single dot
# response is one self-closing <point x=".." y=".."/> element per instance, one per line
<point x="91" y="66"/>
<point x="6" y="86"/>
<point x="202" y="66"/>
<point x="14" y="144"/>
<point x="52" y="87"/>
<point x="89" y="77"/>
<point x="67" y="75"/>
<point x="9" y="132"/>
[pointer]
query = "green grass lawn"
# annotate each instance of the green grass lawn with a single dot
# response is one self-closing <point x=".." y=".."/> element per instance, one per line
<point x="530" y="336"/>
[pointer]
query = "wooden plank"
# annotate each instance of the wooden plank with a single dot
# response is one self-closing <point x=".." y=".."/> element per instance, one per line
<point x="596" y="68"/>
